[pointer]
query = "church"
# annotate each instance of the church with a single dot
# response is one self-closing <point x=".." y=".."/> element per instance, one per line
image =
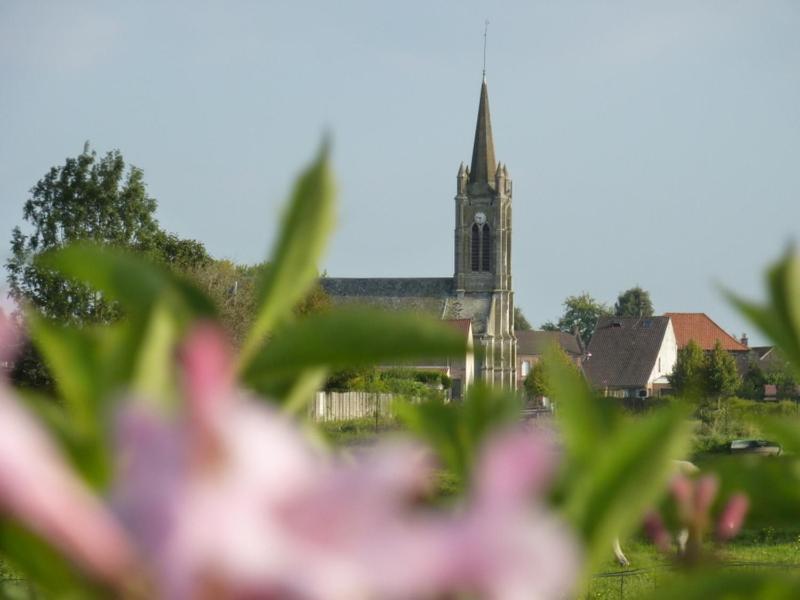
<point x="481" y="287"/>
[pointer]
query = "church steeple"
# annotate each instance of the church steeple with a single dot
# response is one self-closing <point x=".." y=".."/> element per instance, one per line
<point x="483" y="163"/>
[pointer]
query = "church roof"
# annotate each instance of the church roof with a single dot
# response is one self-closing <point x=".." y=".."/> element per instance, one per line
<point x="419" y="294"/>
<point x="483" y="163"/>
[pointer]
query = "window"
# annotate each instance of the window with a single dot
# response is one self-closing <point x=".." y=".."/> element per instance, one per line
<point x="486" y="248"/>
<point x="526" y="367"/>
<point x="476" y="247"/>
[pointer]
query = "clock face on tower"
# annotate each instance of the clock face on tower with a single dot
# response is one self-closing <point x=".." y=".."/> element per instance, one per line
<point x="480" y="218"/>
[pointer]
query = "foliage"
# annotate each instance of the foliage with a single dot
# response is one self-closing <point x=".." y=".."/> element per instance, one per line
<point x="90" y="199"/>
<point x="520" y="322"/>
<point x="581" y="314"/>
<point x="697" y="374"/>
<point x="232" y="287"/>
<point x="634" y="302"/>
<point x="721" y="375"/>
<point x="537" y="383"/>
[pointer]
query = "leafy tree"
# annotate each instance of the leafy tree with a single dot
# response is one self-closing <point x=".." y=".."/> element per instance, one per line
<point x="581" y="314"/>
<point x="91" y="199"/>
<point x="232" y="287"/>
<point x="688" y="376"/>
<point x="520" y="322"/>
<point x="634" y="302"/>
<point x="721" y="375"/>
<point x="537" y="383"/>
<point x="753" y="381"/>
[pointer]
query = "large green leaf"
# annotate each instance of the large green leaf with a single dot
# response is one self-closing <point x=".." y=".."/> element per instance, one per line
<point x="627" y="475"/>
<point x="293" y="266"/>
<point x="131" y="280"/>
<point x="351" y="337"/>
<point x="585" y="419"/>
<point x="456" y="431"/>
<point x="780" y="318"/>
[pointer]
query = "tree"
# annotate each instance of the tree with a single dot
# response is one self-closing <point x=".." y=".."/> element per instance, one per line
<point x="634" y="302"/>
<point x="721" y="375"/>
<point x="537" y="383"/>
<point x="232" y="287"/>
<point x="98" y="200"/>
<point x="581" y="314"/>
<point x="688" y="376"/>
<point x="520" y="322"/>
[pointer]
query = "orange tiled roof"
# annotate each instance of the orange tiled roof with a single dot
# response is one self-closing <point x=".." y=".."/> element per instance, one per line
<point x="700" y="328"/>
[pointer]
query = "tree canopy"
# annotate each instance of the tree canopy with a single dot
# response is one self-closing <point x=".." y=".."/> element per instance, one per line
<point x="100" y="200"/>
<point x="634" y="302"/>
<point x="520" y="322"/>
<point x="722" y="376"/>
<point x="688" y="375"/>
<point x="581" y="314"/>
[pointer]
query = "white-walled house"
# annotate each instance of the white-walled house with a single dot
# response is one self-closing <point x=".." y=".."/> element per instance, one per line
<point x="631" y="357"/>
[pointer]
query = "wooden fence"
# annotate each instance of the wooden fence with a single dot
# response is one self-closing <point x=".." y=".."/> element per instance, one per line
<point x="342" y="406"/>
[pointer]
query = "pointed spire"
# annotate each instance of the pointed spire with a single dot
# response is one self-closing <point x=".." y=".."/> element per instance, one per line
<point x="461" y="170"/>
<point x="483" y="163"/>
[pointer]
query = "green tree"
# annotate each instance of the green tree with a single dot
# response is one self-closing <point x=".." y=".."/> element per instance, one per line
<point x="634" y="302"/>
<point x="94" y="199"/>
<point x="688" y="376"/>
<point x="232" y="287"/>
<point x="753" y="381"/>
<point x="721" y="375"/>
<point x="520" y="322"/>
<point x="537" y="382"/>
<point x="581" y="314"/>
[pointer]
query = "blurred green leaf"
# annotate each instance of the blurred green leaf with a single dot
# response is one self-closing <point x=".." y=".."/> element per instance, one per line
<point x="627" y="475"/>
<point x="44" y="569"/>
<point x="780" y="318"/>
<point x="729" y="585"/>
<point x="131" y="280"/>
<point x="347" y="338"/>
<point x="293" y="266"/>
<point x="154" y="370"/>
<point x="303" y="389"/>
<point x="456" y="431"/>
<point x="586" y="419"/>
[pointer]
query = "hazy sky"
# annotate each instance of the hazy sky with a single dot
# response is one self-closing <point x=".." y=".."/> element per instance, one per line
<point x="650" y="143"/>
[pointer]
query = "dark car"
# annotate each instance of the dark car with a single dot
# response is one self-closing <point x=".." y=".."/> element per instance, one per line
<point x="762" y="447"/>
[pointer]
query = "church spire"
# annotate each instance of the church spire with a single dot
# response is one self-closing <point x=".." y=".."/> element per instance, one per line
<point x="483" y="163"/>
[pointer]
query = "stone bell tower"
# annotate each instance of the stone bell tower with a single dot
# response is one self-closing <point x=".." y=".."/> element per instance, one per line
<point x="483" y="249"/>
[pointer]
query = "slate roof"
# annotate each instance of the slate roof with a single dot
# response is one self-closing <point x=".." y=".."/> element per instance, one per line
<point x="419" y="294"/>
<point x="536" y="342"/>
<point x="623" y="351"/>
<point x="483" y="163"/>
<point x="705" y="332"/>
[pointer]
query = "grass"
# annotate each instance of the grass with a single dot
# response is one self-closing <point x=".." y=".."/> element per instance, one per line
<point x="649" y="568"/>
<point x="357" y="432"/>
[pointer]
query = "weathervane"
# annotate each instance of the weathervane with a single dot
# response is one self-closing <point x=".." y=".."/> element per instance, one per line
<point x="485" y="31"/>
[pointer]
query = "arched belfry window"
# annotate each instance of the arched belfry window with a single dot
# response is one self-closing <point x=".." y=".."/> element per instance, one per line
<point x="476" y="247"/>
<point x="486" y="250"/>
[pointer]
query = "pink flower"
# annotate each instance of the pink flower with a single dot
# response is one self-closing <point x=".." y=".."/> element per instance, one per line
<point x="228" y="499"/>
<point x="38" y="489"/>
<point x="732" y="518"/>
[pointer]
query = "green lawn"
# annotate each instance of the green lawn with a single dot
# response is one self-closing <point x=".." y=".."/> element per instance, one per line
<point x="648" y="568"/>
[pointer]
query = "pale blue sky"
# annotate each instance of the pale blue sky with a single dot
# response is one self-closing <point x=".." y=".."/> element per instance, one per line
<point x="650" y="143"/>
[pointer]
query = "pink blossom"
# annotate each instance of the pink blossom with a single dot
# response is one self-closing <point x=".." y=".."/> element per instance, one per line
<point x="38" y="489"/>
<point x="228" y="499"/>
<point x="732" y="518"/>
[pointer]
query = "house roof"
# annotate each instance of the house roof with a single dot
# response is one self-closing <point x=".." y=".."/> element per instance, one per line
<point x="530" y="342"/>
<point x="623" y="350"/>
<point x="705" y="332"/>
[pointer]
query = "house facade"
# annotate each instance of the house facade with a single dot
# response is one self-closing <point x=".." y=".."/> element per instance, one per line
<point x="532" y="344"/>
<point x="631" y="357"/>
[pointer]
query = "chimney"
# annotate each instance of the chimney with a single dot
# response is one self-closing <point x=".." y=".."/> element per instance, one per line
<point x="744" y="340"/>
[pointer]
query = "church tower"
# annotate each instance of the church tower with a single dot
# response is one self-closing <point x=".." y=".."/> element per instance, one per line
<point x="483" y="249"/>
